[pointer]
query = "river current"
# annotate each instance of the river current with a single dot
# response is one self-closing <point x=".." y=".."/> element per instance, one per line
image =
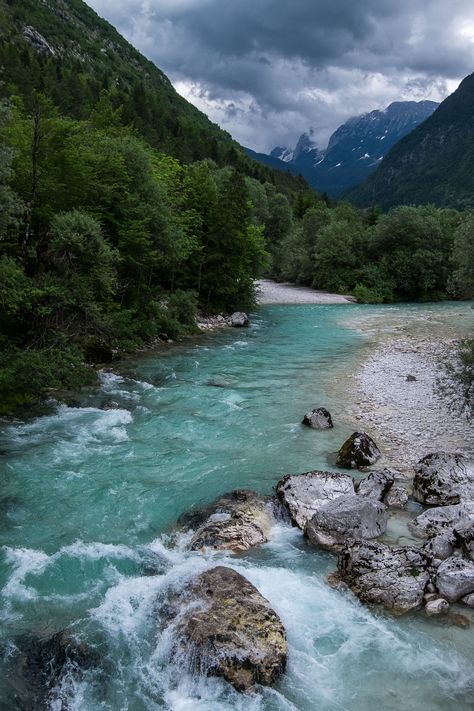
<point x="90" y="498"/>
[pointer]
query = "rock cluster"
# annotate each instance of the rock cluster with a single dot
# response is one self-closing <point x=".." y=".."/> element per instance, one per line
<point x="225" y="627"/>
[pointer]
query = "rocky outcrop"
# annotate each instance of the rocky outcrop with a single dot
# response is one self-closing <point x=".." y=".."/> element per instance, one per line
<point x="441" y="546"/>
<point x="443" y="479"/>
<point x="239" y="320"/>
<point x="224" y="627"/>
<point x="318" y="419"/>
<point x="236" y="522"/>
<point x="347" y="517"/>
<point x="376" y="485"/>
<point x="358" y="451"/>
<point x="455" y="578"/>
<point x="304" y="494"/>
<point x="393" y="577"/>
<point x="441" y="519"/>
<point x="37" y="41"/>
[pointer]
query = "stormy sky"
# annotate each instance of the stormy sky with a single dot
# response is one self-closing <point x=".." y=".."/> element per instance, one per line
<point x="267" y="70"/>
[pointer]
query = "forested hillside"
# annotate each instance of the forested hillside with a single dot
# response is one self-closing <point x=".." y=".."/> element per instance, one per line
<point x="432" y="164"/>
<point x="123" y="210"/>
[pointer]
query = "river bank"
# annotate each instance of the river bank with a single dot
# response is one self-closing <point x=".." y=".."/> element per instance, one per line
<point x="402" y="393"/>
<point x="272" y="292"/>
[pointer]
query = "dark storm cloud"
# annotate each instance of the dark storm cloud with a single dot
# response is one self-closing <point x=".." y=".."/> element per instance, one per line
<point x="266" y="70"/>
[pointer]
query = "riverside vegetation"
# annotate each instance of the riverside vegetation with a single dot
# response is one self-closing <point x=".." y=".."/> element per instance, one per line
<point x="123" y="210"/>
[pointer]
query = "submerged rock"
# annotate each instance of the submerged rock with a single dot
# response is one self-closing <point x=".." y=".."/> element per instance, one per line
<point x="237" y="521"/>
<point x="376" y="485"/>
<point x="346" y="517"/>
<point x="239" y="319"/>
<point x="43" y="663"/>
<point x="455" y="578"/>
<point x="393" y="577"/>
<point x="358" y="451"/>
<point x="318" y="419"/>
<point x="443" y="479"/>
<point x="304" y="494"/>
<point x="225" y="627"/>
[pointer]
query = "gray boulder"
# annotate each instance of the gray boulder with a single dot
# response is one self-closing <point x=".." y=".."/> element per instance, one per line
<point x="439" y="606"/>
<point x="376" y="485"/>
<point x="455" y="578"/>
<point x="468" y="600"/>
<point x="393" y="577"/>
<point x="347" y="517"/>
<point x="318" y="419"/>
<point x="304" y="494"/>
<point x="236" y="522"/>
<point x="239" y="320"/>
<point x="358" y="451"/>
<point x="224" y="627"/>
<point x="441" y="546"/>
<point x="464" y="537"/>
<point x="441" y="519"/>
<point x="396" y="498"/>
<point x="443" y="479"/>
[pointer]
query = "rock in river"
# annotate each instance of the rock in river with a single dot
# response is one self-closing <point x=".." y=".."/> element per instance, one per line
<point x="347" y="517"/>
<point x="304" y="494"/>
<point x="358" y="451"/>
<point x="224" y="627"/>
<point x="318" y="419"/>
<point x="393" y="577"/>
<point x="237" y="521"/>
<point x="239" y="320"/>
<point x="442" y="479"/>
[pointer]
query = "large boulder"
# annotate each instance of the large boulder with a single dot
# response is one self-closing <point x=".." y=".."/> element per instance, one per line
<point x="304" y="494"/>
<point x="237" y="521"/>
<point x="455" y="578"/>
<point x="441" y="519"/>
<point x="376" y="485"/>
<point x="239" y="320"/>
<point x="393" y="577"/>
<point x="443" y="479"/>
<point x="358" y="451"/>
<point x="224" y="627"/>
<point x="318" y="419"/>
<point x="347" y="517"/>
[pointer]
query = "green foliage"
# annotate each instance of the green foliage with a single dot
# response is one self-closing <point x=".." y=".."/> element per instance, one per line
<point x="463" y="259"/>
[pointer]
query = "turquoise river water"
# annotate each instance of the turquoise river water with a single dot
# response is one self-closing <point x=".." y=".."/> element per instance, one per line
<point x="89" y="501"/>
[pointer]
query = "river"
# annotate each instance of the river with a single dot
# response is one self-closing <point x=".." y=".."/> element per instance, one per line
<point x="90" y="499"/>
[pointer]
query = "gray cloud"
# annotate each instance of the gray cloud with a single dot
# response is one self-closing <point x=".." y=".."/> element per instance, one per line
<point x="266" y="69"/>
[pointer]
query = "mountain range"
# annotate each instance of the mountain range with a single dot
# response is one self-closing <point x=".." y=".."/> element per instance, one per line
<point x="432" y="164"/>
<point x="354" y="150"/>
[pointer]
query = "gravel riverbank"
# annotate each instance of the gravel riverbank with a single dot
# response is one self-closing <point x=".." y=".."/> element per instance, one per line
<point x="271" y="292"/>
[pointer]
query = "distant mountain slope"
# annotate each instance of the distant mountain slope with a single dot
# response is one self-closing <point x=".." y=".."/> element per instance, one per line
<point x="355" y="149"/>
<point x="63" y="49"/>
<point x="433" y="164"/>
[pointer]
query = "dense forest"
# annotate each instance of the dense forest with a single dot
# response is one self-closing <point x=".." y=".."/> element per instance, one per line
<point x="123" y="211"/>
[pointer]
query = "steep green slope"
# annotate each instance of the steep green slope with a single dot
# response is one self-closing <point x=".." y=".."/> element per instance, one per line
<point x="65" y="50"/>
<point x="432" y="164"/>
